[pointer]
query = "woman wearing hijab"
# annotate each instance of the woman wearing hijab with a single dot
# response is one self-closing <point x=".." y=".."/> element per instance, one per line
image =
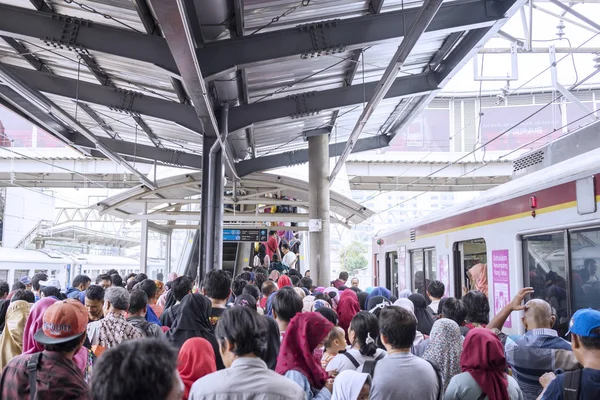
<point x="296" y="360"/>
<point x="284" y="280"/>
<point x="300" y="292"/>
<point x="84" y="358"/>
<point x="274" y="275"/>
<point x="351" y="385"/>
<point x="484" y="370"/>
<point x="347" y="308"/>
<point x="479" y="279"/>
<point x="362" y="297"/>
<point x="378" y="291"/>
<point x="445" y="348"/>
<point x="11" y="341"/>
<point x="196" y="359"/>
<point x="192" y="321"/>
<point x="404" y="294"/>
<point x="423" y="313"/>
<point x="334" y="294"/>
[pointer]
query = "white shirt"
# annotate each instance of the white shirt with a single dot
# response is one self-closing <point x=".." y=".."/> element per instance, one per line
<point x="341" y="363"/>
<point x="288" y="259"/>
<point x="434" y="306"/>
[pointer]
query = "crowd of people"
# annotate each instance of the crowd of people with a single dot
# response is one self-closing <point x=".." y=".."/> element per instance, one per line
<point x="271" y="333"/>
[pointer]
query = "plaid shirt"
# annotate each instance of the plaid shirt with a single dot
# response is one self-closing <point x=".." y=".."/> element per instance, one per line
<point x="535" y="353"/>
<point x="57" y="378"/>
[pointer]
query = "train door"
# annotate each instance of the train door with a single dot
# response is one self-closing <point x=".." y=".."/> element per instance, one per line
<point x="423" y="269"/>
<point x="470" y="266"/>
<point x="391" y="272"/>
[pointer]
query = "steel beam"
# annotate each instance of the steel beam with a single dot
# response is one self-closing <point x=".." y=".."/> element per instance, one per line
<point x="118" y="99"/>
<point x="576" y="14"/>
<point x="334" y="36"/>
<point x="312" y="102"/>
<point x="301" y="156"/>
<point x="98" y="120"/>
<point x="41" y="5"/>
<point x="26" y="54"/>
<point x="150" y="24"/>
<point x="426" y="14"/>
<point x="84" y="34"/>
<point x="95" y="69"/>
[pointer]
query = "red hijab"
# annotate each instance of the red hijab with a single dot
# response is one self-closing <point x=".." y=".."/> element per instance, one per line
<point x="196" y="359"/>
<point x="347" y="308"/>
<point x="483" y="358"/>
<point x="284" y="280"/>
<point x="304" y="333"/>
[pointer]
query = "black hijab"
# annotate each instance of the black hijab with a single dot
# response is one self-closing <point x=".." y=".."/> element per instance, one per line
<point x="422" y="312"/>
<point x="192" y="321"/>
<point x="362" y="296"/>
<point x="3" y="308"/>
<point x="170" y="299"/>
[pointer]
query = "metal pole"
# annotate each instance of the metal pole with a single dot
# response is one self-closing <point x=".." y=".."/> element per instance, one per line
<point x="144" y="243"/>
<point x="168" y="253"/>
<point x="319" y="204"/>
<point x="582" y="17"/>
<point x="428" y="11"/>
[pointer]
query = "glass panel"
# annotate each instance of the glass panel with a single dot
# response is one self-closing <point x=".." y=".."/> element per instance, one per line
<point x="393" y="278"/>
<point x="546" y="272"/>
<point x="19" y="273"/>
<point x="4" y="275"/>
<point x="431" y="273"/>
<point x="585" y="256"/>
<point x="416" y="268"/>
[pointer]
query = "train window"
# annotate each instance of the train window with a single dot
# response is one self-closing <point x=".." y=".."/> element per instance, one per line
<point x="585" y="257"/>
<point x="470" y="260"/>
<point x="423" y="269"/>
<point x="19" y="273"/>
<point x="545" y="263"/>
<point x="4" y="275"/>
<point x="391" y="271"/>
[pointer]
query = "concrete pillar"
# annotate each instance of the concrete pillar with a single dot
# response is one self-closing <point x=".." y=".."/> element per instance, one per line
<point x="218" y="174"/>
<point x="318" y="203"/>
<point x="144" y="243"/>
<point x="205" y="216"/>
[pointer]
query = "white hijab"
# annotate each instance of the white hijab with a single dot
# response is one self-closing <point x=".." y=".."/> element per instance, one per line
<point x="348" y="384"/>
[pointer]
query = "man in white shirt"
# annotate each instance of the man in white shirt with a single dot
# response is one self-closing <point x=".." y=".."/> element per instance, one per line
<point x="289" y="258"/>
<point x="435" y="291"/>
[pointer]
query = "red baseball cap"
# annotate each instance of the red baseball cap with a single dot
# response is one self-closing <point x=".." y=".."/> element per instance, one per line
<point x="62" y="321"/>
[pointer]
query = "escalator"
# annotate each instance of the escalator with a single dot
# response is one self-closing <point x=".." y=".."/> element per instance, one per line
<point x="231" y="256"/>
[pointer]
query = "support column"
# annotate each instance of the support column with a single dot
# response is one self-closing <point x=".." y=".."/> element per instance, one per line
<point x="168" y="244"/>
<point x="144" y="243"/>
<point x="318" y="203"/>
<point x="218" y="175"/>
<point x="205" y="214"/>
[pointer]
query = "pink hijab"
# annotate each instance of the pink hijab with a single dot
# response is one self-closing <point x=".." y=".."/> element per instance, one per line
<point x="34" y="324"/>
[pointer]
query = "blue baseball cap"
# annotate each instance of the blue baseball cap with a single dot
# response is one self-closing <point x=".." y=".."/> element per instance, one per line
<point x="25" y="280"/>
<point x="584" y="322"/>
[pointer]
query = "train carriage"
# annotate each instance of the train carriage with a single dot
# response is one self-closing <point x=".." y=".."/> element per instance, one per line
<point x="540" y="230"/>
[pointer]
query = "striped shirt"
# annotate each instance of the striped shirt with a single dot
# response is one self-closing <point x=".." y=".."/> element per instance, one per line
<point x="536" y="352"/>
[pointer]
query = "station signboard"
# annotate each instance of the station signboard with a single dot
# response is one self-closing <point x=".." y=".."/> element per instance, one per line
<point x="245" y="235"/>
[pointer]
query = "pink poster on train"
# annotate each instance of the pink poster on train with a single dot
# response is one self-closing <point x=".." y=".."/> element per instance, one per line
<point x="443" y="271"/>
<point x="501" y="279"/>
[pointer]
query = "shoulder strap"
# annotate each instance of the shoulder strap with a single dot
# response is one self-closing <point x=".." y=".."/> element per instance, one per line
<point x="481" y="396"/>
<point x="380" y="356"/>
<point x="571" y="384"/>
<point x="32" y="366"/>
<point x="440" y="380"/>
<point x="352" y="359"/>
<point x="369" y="366"/>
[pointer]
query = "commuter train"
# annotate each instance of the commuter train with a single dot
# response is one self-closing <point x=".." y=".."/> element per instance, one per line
<point x="540" y="230"/>
<point x="16" y="263"/>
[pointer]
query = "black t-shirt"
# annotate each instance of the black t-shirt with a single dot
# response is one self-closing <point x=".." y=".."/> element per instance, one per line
<point x="589" y="387"/>
<point x="215" y="314"/>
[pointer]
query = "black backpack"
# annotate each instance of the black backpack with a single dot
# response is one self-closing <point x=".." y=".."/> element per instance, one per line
<point x="368" y="366"/>
<point x="571" y="385"/>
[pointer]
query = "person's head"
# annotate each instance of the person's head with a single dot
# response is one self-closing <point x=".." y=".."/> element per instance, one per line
<point x="307" y="273"/>
<point x="116" y="299"/>
<point x="324" y="297"/>
<point x="398" y="328"/>
<point x="295" y="280"/>
<point x="246" y="300"/>
<point x="262" y="249"/>
<point x="273" y="233"/>
<point x="25" y="280"/>
<point x="23" y="294"/>
<point x="35" y="281"/>
<point x="239" y="334"/>
<point x="252" y="290"/>
<point x="483" y="351"/>
<point x="237" y="287"/>
<point x="354" y="282"/>
<point x="286" y="304"/>
<point x="275" y="258"/>
<point x="436" y="290"/>
<point x="455" y="310"/>
<point x="117" y="280"/>
<point x="149" y="287"/>
<point x="94" y="302"/>
<point x="4" y="289"/>
<point x="591" y="266"/>
<point x="138" y="302"/>
<point x="268" y="287"/>
<point x="154" y="360"/>
<point x="104" y="280"/>
<point x="181" y="286"/>
<point x="82" y="282"/>
<point x="129" y="277"/>
<point x="343" y="276"/>
<point x="285" y="248"/>
<point x="478" y="307"/>
<point x="363" y="333"/>
<point x="538" y="315"/>
<point x="585" y="335"/>
<point x="216" y="285"/>
<point x="50" y="291"/>
<point x="306" y="283"/>
<point x="259" y="279"/>
<point x="335" y="341"/>
<point x="328" y="313"/>
<point x="140" y="277"/>
<point x="350" y="384"/>
<point x="18" y="286"/>
<point x="64" y="326"/>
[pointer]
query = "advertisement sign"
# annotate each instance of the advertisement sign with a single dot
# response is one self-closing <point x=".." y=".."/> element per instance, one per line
<point x="501" y="279"/>
<point x="443" y="269"/>
<point x="429" y="131"/>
